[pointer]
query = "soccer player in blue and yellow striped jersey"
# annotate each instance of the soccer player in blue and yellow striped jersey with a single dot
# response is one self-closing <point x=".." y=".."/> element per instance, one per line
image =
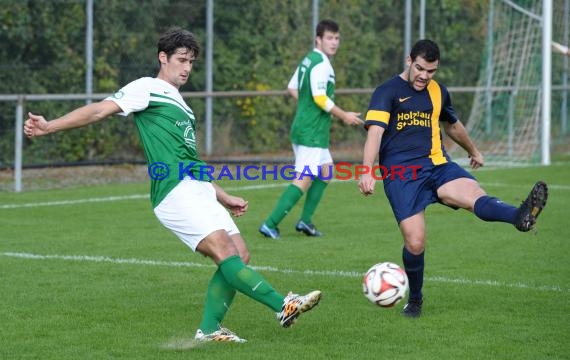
<point x="404" y="122"/>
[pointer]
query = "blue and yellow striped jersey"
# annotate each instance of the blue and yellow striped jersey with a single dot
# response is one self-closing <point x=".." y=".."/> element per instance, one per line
<point x="411" y="121"/>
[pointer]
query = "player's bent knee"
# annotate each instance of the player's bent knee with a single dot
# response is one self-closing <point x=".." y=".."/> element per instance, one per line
<point x="245" y="257"/>
<point x="241" y="247"/>
<point x="218" y="246"/>
<point x="415" y="244"/>
<point x="415" y="248"/>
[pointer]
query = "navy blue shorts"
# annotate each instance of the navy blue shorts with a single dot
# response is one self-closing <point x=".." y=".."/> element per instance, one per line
<point x="411" y="195"/>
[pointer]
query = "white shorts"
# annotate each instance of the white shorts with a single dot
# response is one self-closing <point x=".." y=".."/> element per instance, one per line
<point x="192" y="212"/>
<point x="310" y="157"/>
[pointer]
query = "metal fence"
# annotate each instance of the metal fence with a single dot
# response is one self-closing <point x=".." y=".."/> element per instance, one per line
<point x="216" y="133"/>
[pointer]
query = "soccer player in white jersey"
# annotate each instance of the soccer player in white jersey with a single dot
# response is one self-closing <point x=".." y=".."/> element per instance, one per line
<point x="193" y="208"/>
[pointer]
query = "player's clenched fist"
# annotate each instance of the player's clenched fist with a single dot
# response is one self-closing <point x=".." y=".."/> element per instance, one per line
<point x="36" y="125"/>
<point x="367" y="184"/>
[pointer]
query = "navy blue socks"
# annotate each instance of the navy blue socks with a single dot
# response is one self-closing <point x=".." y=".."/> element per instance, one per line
<point x="414" y="266"/>
<point x="492" y="209"/>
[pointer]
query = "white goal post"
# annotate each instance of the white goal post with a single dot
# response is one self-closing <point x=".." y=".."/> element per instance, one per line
<point x="510" y="116"/>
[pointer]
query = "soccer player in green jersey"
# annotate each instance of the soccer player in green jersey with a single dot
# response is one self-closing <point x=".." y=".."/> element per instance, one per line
<point x="312" y="85"/>
<point x="193" y="208"/>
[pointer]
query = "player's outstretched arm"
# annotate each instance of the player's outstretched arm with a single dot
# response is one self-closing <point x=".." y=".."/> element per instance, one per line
<point x="348" y="117"/>
<point x="367" y="182"/>
<point x="458" y="133"/>
<point x="562" y="49"/>
<point x="236" y="205"/>
<point x="37" y="125"/>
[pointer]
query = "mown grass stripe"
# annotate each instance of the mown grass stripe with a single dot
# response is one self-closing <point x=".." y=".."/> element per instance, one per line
<point x="237" y="188"/>
<point x="308" y="272"/>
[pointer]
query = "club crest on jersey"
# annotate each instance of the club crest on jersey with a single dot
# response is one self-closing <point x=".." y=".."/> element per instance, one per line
<point x="118" y="94"/>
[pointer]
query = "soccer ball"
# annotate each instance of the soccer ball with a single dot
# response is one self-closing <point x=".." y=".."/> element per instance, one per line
<point x="385" y="284"/>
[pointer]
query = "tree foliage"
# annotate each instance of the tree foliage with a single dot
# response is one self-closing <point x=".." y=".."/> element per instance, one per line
<point x="257" y="45"/>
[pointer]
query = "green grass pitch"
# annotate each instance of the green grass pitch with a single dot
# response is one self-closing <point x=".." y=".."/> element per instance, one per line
<point x="89" y="273"/>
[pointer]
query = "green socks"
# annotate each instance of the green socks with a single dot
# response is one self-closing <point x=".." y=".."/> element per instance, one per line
<point x="291" y="196"/>
<point x="249" y="282"/>
<point x="314" y="195"/>
<point x="232" y="275"/>
<point x="288" y="199"/>
<point x="219" y="297"/>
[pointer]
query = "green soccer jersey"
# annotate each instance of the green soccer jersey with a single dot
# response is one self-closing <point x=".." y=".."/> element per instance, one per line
<point x="167" y="129"/>
<point x="315" y="82"/>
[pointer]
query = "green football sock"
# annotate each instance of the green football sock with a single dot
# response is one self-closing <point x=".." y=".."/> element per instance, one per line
<point x="249" y="282"/>
<point x="219" y="297"/>
<point x="314" y="195"/>
<point x="288" y="199"/>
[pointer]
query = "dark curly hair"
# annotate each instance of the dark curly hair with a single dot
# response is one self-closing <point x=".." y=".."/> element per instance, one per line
<point x="425" y="48"/>
<point x="175" y="38"/>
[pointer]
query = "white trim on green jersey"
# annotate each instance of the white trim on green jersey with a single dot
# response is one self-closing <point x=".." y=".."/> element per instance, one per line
<point x="314" y="79"/>
<point x="167" y="129"/>
<point x="320" y="75"/>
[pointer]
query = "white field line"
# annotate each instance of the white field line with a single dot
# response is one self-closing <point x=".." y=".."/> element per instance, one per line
<point x="122" y="198"/>
<point x="73" y="202"/>
<point x="307" y="272"/>
<point x="238" y="188"/>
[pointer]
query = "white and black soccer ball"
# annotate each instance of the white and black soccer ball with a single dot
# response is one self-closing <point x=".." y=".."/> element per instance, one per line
<point x="385" y="284"/>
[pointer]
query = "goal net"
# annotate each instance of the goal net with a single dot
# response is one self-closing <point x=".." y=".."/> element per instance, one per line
<point x="505" y="117"/>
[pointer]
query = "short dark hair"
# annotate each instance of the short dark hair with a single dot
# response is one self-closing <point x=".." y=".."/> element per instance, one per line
<point x="425" y="48"/>
<point x="326" y="25"/>
<point x="175" y="38"/>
